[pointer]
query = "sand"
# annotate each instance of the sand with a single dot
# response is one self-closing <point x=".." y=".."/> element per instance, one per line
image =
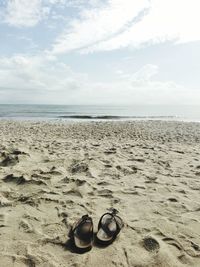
<point x="52" y="173"/>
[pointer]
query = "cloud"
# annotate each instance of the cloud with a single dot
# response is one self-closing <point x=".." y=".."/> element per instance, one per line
<point x="141" y="87"/>
<point x="37" y="76"/>
<point x="142" y="75"/>
<point x="145" y="73"/>
<point x="23" y="13"/>
<point x="130" y="23"/>
<point x="44" y="79"/>
<point x="98" y="24"/>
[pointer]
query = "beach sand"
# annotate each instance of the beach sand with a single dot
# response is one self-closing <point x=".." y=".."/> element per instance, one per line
<point x="53" y="173"/>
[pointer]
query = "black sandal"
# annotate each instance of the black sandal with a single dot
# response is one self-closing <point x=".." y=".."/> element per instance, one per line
<point x="81" y="233"/>
<point x="109" y="227"/>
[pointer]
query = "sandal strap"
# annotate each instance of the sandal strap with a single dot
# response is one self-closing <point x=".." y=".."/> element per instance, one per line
<point x="105" y="227"/>
<point x="83" y="236"/>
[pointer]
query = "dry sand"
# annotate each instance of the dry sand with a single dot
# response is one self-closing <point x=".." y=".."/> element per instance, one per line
<point x="51" y="174"/>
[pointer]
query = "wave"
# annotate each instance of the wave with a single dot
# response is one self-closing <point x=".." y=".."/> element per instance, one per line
<point x="112" y="117"/>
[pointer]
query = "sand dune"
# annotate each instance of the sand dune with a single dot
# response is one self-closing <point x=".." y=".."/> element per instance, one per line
<point x="53" y="173"/>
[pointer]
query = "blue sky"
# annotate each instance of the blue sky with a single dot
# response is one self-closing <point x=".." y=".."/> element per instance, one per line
<point x="100" y="51"/>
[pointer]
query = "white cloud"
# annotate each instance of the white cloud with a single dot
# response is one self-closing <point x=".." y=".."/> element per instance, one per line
<point x="40" y="79"/>
<point x="142" y="75"/>
<point x="171" y="20"/>
<point x="43" y="79"/>
<point x="98" y="24"/>
<point x="141" y="87"/>
<point x="115" y="25"/>
<point x="40" y="73"/>
<point x="23" y="13"/>
<point x="145" y="73"/>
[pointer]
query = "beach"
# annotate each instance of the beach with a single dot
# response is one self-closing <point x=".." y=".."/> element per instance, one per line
<point x="52" y="173"/>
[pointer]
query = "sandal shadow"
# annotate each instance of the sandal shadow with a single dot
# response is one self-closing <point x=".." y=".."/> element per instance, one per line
<point x="70" y="246"/>
<point x="102" y="244"/>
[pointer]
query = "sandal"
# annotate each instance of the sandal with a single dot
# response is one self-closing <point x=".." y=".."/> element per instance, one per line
<point x="81" y="233"/>
<point x="109" y="227"/>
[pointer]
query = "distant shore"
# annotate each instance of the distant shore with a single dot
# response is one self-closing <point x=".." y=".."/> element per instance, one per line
<point x="52" y="173"/>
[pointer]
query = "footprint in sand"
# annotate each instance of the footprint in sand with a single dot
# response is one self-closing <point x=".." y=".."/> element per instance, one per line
<point x="105" y="193"/>
<point x="25" y="226"/>
<point x="4" y="202"/>
<point x="3" y="219"/>
<point x="151" y="244"/>
<point x="126" y="170"/>
<point x="22" y="179"/>
<point x="10" y="160"/>
<point x="11" y="178"/>
<point x="79" y="167"/>
<point x="110" y="151"/>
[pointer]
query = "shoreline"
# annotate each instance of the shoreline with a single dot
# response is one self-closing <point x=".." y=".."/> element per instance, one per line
<point x="86" y="120"/>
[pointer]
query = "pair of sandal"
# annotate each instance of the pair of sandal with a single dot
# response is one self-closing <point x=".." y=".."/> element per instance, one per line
<point x="109" y="226"/>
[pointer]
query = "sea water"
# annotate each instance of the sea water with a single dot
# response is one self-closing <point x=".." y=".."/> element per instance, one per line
<point x="100" y="112"/>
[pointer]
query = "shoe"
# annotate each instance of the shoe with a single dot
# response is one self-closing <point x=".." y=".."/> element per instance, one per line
<point x="81" y="233"/>
<point x="109" y="227"/>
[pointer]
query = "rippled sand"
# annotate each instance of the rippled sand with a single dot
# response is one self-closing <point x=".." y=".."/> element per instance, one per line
<point x="51" y="174"/>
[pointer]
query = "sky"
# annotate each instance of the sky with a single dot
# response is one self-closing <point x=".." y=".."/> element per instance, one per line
<point x="100" y="52"/>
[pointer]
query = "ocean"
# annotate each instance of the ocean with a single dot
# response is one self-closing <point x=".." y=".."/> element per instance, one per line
<point x="100" y="112"/>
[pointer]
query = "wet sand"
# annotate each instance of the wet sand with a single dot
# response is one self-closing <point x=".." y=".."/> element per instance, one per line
<point x="52" y="173"/>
